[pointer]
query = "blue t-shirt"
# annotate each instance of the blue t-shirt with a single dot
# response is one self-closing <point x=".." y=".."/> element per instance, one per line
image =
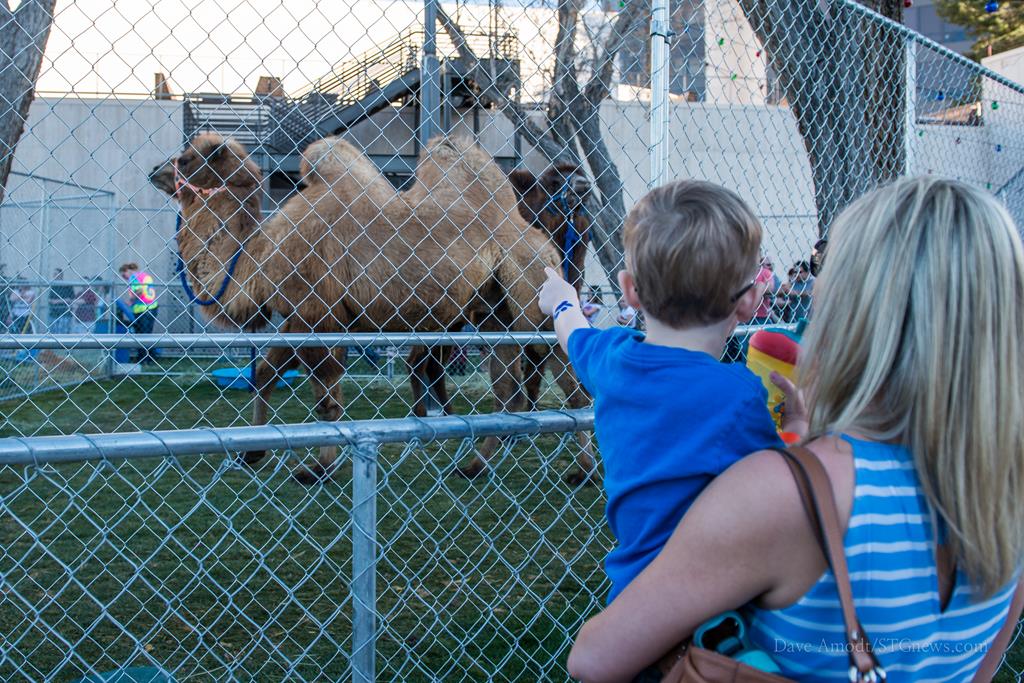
<point x="668" y="421"/>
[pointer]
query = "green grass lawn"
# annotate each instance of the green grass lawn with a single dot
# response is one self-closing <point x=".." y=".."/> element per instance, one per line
<point x="221" y="573"/>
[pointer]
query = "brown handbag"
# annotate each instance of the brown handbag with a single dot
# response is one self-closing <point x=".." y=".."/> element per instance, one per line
<point x="686" y="664"/>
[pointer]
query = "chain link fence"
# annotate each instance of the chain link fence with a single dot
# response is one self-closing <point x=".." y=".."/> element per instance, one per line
<point x="305" y="256"/>
<point x="128" y="550"/>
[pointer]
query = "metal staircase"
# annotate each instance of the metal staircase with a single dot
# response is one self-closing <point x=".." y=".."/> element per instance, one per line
<point x="276" y="129"/>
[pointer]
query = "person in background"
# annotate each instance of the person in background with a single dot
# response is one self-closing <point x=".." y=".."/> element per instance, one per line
<point x="627" y="316"/>
<point x="781" y="309"/>
<point x="590" y="305"/>
<point x="798" y="292"/>
<point x="141" y="298"/>
<point x="818" y="256"/>
<point x="61" y="297"/>
<point x="86" y="308"/>
<point x="22" y="300"/>
<point x="776" y="282"/>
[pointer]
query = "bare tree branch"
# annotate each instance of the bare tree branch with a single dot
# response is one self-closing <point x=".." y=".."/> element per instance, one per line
<point x="574" y="115"/>
<point x="490" y="94"/>
<point x="599" y="85"/>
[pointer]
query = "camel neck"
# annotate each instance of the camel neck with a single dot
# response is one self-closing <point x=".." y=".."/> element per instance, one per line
<point x="211" y="240"/>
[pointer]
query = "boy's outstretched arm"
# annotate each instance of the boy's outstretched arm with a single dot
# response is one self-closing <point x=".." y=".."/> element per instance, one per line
<point x="559" y="300"/>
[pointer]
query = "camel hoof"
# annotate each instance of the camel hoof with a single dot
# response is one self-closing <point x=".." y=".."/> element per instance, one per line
<point x="472" y="471"/>
<point x="579" y="479"/>
<point x="311" y="475"/>
<point x="252" y="458"/>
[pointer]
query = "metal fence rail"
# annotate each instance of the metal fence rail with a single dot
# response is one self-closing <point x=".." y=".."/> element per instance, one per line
<point x="121" y="550"/>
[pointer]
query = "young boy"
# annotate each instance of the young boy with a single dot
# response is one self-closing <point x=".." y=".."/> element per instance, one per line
<point x="669" y="416"/>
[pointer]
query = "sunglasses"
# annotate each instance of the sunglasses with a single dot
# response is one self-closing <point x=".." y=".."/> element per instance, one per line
<point x="746" y="287"/>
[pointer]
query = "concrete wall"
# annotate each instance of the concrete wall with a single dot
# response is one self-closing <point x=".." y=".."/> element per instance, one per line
<point x="109" y="144"/>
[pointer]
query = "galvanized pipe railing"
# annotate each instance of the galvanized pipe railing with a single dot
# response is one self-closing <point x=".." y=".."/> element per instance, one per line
<point x="226" y="340"/>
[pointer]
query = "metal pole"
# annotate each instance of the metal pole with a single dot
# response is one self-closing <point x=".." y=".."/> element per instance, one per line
<point x="430" y="76"/>
<point x="659" y="92"/>
<point x="183" y="442"/>
<point x="910" y="104"/>
<point x="364" y="561"/>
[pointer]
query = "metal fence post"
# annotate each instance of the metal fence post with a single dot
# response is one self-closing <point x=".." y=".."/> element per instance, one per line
<point x="364" y="560"/>
<point x="660" y="31"/>
<point x="910" y="104"/>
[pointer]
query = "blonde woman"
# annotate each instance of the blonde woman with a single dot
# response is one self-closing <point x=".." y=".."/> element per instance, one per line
<point x="914" y="374"/>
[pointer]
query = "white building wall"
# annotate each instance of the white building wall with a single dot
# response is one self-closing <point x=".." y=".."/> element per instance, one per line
<point x="110" y="144"/>
<point x="735" y="69"/>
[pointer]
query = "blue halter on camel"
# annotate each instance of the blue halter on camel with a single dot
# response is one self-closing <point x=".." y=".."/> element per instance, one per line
<point x="181" y="184"/>
<point x="572" y="236"/>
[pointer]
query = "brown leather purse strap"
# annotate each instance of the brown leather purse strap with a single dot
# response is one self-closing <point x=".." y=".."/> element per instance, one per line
<point x="819" y="503"/>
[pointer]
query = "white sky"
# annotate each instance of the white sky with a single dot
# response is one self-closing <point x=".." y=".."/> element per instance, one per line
<point x="105" y="46"/>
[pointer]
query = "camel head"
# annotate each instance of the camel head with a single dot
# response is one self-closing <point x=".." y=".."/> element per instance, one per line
<point x="208" y="163"/>
<point x="553" y="202"/>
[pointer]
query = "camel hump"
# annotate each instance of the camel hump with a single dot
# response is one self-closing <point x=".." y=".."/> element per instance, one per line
<point x="336" y="163"/>
<point x="455" y="168"/>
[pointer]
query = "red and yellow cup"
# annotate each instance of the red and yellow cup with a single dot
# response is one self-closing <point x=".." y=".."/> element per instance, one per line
<point x="772" y="351"/>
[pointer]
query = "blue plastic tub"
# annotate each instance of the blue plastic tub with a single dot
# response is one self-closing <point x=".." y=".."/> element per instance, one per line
<point x="241" y="378"/>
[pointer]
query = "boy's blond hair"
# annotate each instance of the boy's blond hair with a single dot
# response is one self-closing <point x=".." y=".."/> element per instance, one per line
<point x="691" y="247"/>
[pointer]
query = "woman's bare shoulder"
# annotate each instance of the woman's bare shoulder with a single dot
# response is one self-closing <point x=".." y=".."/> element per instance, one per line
<point x="772" y="516"/>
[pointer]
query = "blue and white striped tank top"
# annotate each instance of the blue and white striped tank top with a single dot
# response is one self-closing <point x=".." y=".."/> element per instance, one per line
<point x="890" y="552"/>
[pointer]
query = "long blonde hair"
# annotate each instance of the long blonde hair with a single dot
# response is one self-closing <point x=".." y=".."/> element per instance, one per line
<point x="918" y="339"/>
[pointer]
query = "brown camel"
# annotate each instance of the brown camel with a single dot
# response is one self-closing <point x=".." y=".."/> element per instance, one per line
<point x="553" y="203"/>
<point x="349" y="253"/>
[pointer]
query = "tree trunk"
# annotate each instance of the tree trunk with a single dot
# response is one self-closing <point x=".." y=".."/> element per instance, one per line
<point x="843" y="76"/>
<point x="23" y="35"/>
<point x="573" y="118"/>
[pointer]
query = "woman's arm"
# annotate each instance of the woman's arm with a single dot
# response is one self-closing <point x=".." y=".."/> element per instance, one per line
<point x="746" y="537"/>
<point x="994" y="656"/>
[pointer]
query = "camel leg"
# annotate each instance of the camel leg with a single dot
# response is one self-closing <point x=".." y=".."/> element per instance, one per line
<point x="576" y="397"/>
<point x="326" y="367"/>
<point x="419" y="358"/>
<point x="534" y="359"/>
<point x="426" y="374"/>
<point x="506" y="383"/>
<point x="268" y="370"/>
<point x="437" y="378"/>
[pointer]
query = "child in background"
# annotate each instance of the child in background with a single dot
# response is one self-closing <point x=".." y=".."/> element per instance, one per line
<point x="669" y="416"/>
